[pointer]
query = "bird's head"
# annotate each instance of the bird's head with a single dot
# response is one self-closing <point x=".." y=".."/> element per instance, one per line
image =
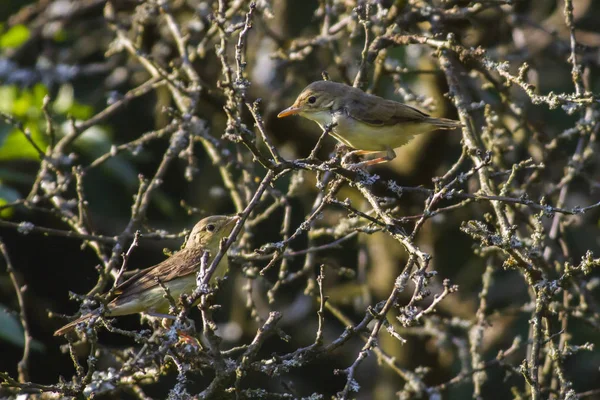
<point x="209" y="231"/>
<point x="320" y="96"/>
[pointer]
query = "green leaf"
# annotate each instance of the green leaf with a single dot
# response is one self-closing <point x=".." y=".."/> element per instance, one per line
<point x="65" y="103"/>
<point x="7" y="195"/>
<point x="39" y="91"/>
<point x="80" y="111"/>
<point x="64" y="99"/>
<point x="14" y="37"/>
<point x="60" y="35"/>
<point x="16" y="146"/>
<point x="23" y="103"/>
<point x="96" y="141"/>
<point x="8" y="94"/>
<point x="11" y="331"/>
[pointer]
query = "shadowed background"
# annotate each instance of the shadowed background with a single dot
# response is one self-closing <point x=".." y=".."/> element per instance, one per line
<point x="71" y="52"/>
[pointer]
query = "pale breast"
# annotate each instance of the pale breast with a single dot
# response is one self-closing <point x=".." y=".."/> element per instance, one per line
<point x="367" y="137"/>
<point x="374" y="138"/>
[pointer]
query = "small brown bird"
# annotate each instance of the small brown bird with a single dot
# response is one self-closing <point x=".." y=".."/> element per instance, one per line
<point x="142" y="294"/>
<point x="363" y="121"/>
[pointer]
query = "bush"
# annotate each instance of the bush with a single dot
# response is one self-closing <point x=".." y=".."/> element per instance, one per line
<point x="463" y="268"/>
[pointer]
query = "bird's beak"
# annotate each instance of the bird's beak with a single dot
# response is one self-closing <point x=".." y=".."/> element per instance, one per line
<point x="289" y="111"/>
<point x="234" y="220"/>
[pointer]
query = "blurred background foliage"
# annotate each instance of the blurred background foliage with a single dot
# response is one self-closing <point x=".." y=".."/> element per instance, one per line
<point x="65" y="52"/>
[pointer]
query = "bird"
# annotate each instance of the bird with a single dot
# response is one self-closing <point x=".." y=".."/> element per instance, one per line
<point x="363" y="121"/>
<point x="142" y="293"/>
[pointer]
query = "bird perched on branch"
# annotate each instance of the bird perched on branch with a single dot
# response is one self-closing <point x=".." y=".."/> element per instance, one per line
<point x="142" y="293"/>
<point x="363" y="121"/>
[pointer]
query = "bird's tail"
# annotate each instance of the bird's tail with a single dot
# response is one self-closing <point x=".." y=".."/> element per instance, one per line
<point x="71" y="325"/>
<point x="445" y="123"/>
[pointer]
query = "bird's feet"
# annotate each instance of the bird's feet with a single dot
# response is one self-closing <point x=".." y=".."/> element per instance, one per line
<point x="389" y="155"/>
<point x="185" y="338"/>
<point x="353" y="166"/>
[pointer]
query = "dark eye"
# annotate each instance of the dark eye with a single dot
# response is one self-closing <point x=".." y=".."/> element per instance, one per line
<point x="312" y="99"/>
<point x="210" y="228"/>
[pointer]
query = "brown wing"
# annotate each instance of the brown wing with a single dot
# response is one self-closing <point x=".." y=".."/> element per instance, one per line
<point x="376" y="111"/>
<point x="182" y="263"/>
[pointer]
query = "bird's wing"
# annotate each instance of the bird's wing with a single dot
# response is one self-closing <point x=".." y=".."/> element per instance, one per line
<point x="180" y="264"/>
<point x="375" y="112"/>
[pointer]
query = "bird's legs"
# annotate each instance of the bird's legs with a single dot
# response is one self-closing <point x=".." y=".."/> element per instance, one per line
<point x="167" y="322"/>
<point x="389" y="156"/>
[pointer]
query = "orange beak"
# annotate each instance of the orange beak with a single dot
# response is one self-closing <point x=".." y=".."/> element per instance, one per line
<point x="289" y="111"/>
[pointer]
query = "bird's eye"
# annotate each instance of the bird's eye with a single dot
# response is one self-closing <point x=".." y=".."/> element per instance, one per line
<point x="312" y="99"/>
<point x="210" y="228"/>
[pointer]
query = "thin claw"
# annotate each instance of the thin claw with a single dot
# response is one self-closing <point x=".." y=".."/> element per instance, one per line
<point x="350" y="154"/>
<point x="354" y="166"/>
<point x="389" y="155"/>
<point x="375" y="161"/>
<point x="362" y="164"/>
<point x="378" y="160"/>
<point x="185" y="338"/>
